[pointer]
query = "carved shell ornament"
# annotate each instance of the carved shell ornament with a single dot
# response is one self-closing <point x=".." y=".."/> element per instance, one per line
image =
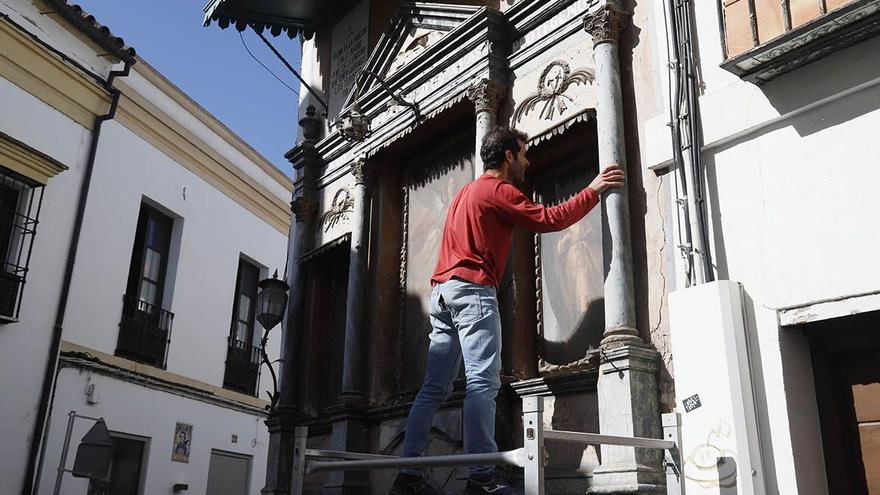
<point x="342" y="205"/>
<point x="552" y="85"/>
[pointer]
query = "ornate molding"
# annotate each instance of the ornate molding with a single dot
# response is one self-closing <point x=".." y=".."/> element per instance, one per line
<point x="311" y="125"/>
<point x="363" y="171"/>
<point x="342" y="205"/>
<point x="303" y="208"/>
<point x="606" y="24"/>
<point x="556" y="79"/>
<point x="486" y="94"/>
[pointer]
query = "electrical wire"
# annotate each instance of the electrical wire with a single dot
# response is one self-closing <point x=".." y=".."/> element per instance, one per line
<point x="264" y="65"/>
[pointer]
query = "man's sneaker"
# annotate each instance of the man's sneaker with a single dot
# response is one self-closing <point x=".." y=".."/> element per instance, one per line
<point x="490" y="484"/>
<point x="408" y="484"/>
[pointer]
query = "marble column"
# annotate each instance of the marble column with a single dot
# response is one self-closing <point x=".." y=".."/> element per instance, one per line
<point x="627" y="387"/>
<point x="288" y="413"/>
<point x="353" y="362"/>
<point x="486" y="94"/>
<point x="350" y="431"/>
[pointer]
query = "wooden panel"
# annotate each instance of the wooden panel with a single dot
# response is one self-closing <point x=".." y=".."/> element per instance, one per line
<point x="866" y="399"/>
<point x="770" y="20"/>
<point x="870" y="440"/>
<point x="803" y="11"/>
<point x="738" y="27"/>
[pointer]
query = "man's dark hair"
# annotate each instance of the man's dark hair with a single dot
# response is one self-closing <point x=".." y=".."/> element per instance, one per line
<point x="498" y="140"/>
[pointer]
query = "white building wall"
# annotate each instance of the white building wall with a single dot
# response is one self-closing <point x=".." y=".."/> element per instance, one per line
<point x="24" y="346"/>
<point x="214" y="231"/>
<point x="793" y="207"/>
<point x="138" y="410"/>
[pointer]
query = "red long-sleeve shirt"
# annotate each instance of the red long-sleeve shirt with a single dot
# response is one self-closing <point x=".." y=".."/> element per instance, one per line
<point x="479" y="227"/>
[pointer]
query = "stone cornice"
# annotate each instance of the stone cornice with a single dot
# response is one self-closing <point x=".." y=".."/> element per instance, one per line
<point x="29" y="162"/>
<point x="43" y="74"/>
<point x="84" y="357"/>
<point x="435" y="79"/>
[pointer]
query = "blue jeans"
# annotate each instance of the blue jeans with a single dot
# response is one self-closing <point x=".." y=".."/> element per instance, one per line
<point x="465" y="323"/>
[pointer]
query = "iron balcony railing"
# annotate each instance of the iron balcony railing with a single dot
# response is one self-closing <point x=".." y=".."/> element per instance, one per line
<point x="20" y="203"/>
<point x="242" y="367"/>
<point x="144" y="332"/>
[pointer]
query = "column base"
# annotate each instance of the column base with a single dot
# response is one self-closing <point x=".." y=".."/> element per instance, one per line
<point x="282" y="425"/>
<point x="628" y="406"/>
<point x="350" y="434"/>
<point x="628" y="479"/>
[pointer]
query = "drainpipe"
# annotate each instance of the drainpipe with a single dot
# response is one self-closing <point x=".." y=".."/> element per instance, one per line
<point x="47" y="396"/>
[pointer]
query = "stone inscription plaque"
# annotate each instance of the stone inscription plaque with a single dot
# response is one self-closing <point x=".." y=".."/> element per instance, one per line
<point x="349" y="53"/>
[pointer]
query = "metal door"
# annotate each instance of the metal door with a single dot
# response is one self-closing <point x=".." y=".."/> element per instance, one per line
<point x="228" y="474"/>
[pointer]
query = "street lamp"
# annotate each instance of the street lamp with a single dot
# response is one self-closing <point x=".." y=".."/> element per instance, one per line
<point x="271" y="303"/>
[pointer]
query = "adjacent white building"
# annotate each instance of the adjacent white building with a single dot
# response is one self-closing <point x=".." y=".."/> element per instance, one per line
<point x="168" y="222"/>
<point x="782" y="351"/>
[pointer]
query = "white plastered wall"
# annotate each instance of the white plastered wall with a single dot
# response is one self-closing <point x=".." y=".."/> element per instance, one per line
<point x="792" y="202"/>
<point x="24" y="346"/>
<point x="146" y="412"/>
<point x="214" y="232"/>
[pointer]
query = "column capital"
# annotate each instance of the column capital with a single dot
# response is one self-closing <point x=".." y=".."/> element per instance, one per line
<point x="606" y="24"/>
<point x="486" y="95"/>
<point x="303" y="208"/>
<point x="363" y="171"/>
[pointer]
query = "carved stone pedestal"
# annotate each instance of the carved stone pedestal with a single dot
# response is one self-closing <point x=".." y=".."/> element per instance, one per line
<point x="350" y="434"/>
<point x="628" y="407"/>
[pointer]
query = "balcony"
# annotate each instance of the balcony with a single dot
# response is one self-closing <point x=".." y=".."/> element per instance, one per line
<point x="764" y="39"/>
<point x="242" y="367"/>
<point x="144" y="332"/>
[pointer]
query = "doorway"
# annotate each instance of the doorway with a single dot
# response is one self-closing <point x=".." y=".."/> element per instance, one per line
<point x="229" y="473"/>
<point x="846" y="368"/>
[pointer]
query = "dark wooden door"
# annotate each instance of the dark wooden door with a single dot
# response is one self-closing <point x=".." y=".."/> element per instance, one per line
<point x="846" y="367"/>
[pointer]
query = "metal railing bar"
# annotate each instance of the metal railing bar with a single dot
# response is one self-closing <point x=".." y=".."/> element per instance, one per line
<point x="336" y="454"/>
<point x="510" y="457"/>
<point x="597" y="439"/>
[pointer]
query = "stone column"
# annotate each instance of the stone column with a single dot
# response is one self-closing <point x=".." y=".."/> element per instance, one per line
<point x="627" y="388"/>
<point x="486" y="94"/>
<point x="350" y="432"/>
<point x="353" y="361"/>
<point x="288" y="413"/>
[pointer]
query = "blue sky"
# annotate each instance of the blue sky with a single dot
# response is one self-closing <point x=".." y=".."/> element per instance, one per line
<point x="212" y="67"/>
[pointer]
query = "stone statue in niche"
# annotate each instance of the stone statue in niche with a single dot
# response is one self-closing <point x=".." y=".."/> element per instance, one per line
<point x="556" y="79"/>
<point x="342" y="205"/>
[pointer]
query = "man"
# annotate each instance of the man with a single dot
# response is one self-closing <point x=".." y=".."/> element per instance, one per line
<point x="464" y="308"/>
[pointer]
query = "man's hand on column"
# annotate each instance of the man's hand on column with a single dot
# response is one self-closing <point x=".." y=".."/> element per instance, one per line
<point x="612" y="176"/>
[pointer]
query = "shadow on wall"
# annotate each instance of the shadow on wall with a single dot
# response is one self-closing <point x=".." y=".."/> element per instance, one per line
<point x="822" y="79"/>
<point x="587" y="335"/>
<point x="760" y="393"/>
<point x="713" y="210"/>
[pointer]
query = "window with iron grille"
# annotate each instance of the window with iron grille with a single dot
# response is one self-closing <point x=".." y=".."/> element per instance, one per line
<point x="145" y="329"/>
<point x="20" y="202"/>
<point x="242" y="356"/>
<point x="763" y="39"/>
